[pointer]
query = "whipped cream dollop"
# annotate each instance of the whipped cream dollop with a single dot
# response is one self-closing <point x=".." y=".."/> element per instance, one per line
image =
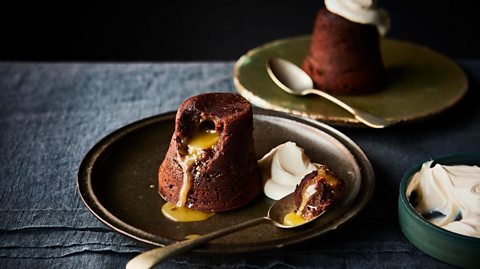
<point x="361" y="11"/>
<point x="453" y="191"/>
<point x="283" y="168"/>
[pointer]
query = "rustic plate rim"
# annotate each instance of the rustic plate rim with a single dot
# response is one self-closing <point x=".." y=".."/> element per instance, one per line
<point x="91" y="201"/>
<point x="335" y="120"/>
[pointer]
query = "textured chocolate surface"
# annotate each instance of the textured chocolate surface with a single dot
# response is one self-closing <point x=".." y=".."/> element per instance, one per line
<point x="226" y="176"/>
<point x="328" y="188"/>
<point x="344" y="56"/>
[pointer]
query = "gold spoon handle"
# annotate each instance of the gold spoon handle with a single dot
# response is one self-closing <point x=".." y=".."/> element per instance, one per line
<point x="362" y="116"/>
<point x="150" y="258"/>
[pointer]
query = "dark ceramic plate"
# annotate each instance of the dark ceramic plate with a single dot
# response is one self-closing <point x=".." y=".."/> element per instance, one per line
<point x="117" y="181"/>
<point x="421" y="84"/>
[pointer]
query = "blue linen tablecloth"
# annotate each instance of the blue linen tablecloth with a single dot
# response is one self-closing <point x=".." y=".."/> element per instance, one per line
<point x="51" y="114"/>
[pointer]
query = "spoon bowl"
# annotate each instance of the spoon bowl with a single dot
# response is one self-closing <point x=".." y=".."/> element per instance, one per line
<point x="294" y="80"/>
<point x="275" y="215"/>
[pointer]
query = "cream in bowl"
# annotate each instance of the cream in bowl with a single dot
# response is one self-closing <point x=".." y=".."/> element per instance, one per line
<point x="438" y="208"/>
<point x="448" y="196"/>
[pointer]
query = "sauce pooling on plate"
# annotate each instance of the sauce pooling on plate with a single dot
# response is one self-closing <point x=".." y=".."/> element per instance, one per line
<point x="448" y="196"/>
<point x="200" y="140"/>
<point x="196" y="143"/>
<point x="184" y="214"/>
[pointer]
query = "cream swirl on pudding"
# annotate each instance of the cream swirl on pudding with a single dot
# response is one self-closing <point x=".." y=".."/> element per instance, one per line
<point x="283" y="168"/>
<point x="361" y="11"/>
<point x="451" y="190"/>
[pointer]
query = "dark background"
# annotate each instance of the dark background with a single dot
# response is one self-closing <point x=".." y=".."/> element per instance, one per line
<point x="208" y="30"/>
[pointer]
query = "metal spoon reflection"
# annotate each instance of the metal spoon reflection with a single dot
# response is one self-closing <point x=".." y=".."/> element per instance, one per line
<point x="275" y="215"/>
<point x="294" y="80"/>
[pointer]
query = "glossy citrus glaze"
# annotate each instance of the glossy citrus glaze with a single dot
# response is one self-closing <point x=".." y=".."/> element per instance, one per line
<point x="292" y="219"/>
<point x="202" y="139"/>
<point x="197" y="143"/>
<point x="184" y="214"/>
<point x="192" y="236"/>
<point x="295" y="218"/>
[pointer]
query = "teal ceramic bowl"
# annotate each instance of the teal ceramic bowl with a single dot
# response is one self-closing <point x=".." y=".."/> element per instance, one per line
<point x="449" y="247"/>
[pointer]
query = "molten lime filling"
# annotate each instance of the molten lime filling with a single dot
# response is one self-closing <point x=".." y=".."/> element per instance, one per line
<point x="203" y="139"/>
<point x="199" y="141"/>
<point x="293" y="219"/>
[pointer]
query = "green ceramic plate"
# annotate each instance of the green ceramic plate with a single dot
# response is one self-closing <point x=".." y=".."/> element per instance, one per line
<point x="421" y="83"/>
<point x="439" y="243"/>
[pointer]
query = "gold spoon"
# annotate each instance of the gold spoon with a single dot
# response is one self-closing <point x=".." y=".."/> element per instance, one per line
<point x="294" y="80"/>
<point x="275" y="215"/>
